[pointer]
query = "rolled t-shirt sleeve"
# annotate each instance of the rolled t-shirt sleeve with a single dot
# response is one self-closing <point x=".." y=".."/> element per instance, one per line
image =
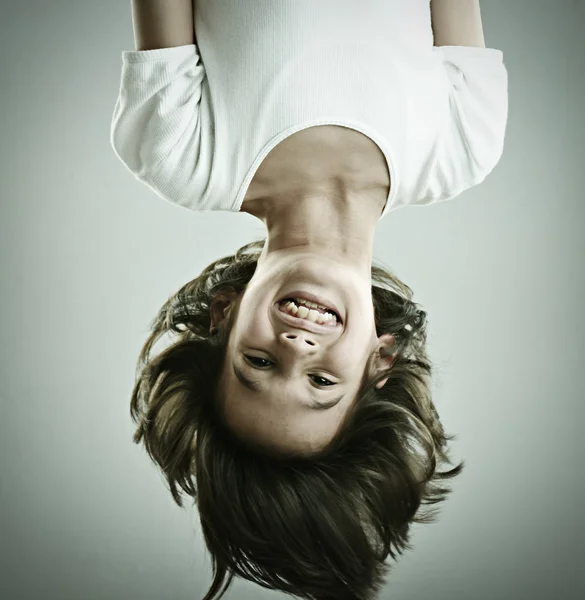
<point x="156" y="125"/>
<point x="471" y="140"/>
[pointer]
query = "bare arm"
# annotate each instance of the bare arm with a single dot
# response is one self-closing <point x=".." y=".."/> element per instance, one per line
<point x="162" y="23"/>
<point x="457" y="23"/>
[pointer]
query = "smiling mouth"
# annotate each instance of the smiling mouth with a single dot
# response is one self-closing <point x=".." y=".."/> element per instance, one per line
<point x="311" y="307"/>
<point x="304" y="324"/>
<point x="321" y="321"/>
<point x="311" y="311"/>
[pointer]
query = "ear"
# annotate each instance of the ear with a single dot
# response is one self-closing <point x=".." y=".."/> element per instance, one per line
<point x="220" y="308"/>
<point x="384" y="356"/>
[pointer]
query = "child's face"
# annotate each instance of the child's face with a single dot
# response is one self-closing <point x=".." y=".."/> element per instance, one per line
<point x="296" y="371"/>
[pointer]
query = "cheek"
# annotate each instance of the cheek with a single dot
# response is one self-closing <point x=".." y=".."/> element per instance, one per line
<point x="250" y="328"/>
<point x="355" y="352"/>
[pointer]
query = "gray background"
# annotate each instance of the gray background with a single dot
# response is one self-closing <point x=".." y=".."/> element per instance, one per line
<point x="88" y="255"/>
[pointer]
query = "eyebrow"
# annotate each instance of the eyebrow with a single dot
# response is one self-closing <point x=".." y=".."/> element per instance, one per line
<point x="253" y="385"/>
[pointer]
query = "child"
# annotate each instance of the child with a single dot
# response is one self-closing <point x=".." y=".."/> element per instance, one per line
<point x="295" y="405"/>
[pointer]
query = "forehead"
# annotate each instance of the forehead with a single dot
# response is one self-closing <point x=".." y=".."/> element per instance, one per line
<point x="275" y="417"/>
<point x="277" y="421"/>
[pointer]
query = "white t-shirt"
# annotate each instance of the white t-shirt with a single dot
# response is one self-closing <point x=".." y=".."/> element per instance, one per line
<point x="194" y="122"/>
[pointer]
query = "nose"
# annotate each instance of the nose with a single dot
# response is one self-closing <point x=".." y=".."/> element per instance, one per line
<point x="302" y="343"/>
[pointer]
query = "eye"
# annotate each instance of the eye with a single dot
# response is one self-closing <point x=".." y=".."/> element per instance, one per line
<point x="258" y="361"/>
<point x="322" y="379"/>
<point x="262" y="363"/>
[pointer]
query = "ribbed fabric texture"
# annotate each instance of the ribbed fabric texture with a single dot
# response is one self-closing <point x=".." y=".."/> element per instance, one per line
<point x="195" y="122"/>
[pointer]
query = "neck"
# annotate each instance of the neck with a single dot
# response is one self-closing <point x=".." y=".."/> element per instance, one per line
<point x="338" y="223"/>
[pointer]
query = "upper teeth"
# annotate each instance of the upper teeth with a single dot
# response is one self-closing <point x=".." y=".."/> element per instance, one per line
<point x="306" y="310"/>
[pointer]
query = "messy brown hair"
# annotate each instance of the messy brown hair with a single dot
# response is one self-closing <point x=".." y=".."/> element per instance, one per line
<point x="319" y="527"/>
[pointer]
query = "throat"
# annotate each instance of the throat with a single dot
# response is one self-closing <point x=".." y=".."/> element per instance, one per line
<point x="344" y="233"/>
